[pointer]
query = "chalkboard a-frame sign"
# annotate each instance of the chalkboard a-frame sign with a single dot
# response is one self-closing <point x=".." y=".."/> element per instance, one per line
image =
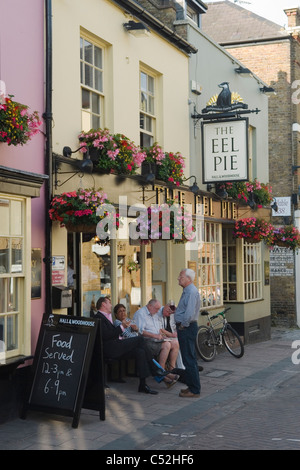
<point x="68" y="369"/>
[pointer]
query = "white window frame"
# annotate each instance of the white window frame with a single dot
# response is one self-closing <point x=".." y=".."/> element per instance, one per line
<point x="147" y="114"/>
<point x="210" y="266"/>
<point x="91" y="118"/>
<point x="247" y="286"/>
<point x="16" y="340"/>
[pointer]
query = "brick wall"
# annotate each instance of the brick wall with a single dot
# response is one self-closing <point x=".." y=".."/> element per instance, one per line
<point x="278" y="65"/>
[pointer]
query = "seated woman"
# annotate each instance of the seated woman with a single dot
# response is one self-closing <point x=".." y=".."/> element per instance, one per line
<point x="120" y="315"/>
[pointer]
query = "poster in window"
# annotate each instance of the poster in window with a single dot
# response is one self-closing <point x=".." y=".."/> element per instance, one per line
<point x="36" y="273"/>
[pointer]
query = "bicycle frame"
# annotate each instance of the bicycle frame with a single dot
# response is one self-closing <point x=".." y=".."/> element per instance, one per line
<point x="217" y="336"/>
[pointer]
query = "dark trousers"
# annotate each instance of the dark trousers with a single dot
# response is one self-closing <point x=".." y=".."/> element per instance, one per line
<point x="129" y="348"/>
<point x="187" y="342"/>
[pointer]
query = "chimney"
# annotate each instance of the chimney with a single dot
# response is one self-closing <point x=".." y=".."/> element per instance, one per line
<point x="293" y="15"/>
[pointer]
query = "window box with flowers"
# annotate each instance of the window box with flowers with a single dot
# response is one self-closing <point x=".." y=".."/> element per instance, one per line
<point x="260" y="193"/>
<point x="287" y="237"/>
<point x="77" y="211"/>
<point x="113" y="153"/>
<point x="17" y="125"/>
<point x="253" y="230"/>
<point x="167" y="221"/>
<point x="168" y="166"/>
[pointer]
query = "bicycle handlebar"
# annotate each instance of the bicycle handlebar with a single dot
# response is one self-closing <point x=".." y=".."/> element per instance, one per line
<point x="205" y="312"/>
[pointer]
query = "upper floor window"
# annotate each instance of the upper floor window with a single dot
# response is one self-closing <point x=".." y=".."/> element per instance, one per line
<point x="91" y="79"/>
<point x="147" y="109"/>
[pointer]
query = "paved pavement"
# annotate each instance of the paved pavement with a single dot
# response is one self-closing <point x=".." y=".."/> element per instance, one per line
<point x="247" y="403"/>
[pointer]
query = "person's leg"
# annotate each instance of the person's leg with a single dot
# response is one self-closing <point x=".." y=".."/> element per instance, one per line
<point x="187" y="339"/>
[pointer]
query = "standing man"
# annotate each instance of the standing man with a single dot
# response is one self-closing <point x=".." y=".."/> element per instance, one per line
<point x="186" y="318"/>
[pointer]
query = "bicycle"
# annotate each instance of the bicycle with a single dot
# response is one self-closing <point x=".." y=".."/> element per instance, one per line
<point x="208" y="338"/>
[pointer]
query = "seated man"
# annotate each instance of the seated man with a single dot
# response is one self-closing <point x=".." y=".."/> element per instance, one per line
<point x="149" y="326"/>
<point x="116" y="348"/>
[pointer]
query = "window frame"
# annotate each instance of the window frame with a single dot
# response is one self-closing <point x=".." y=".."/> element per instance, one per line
<point x="243" y="283"/>
<point x="17" y="279"/>
<point x="147" y="114"/>
<point x="211" y="269"/>
<point x="91" y="90"/>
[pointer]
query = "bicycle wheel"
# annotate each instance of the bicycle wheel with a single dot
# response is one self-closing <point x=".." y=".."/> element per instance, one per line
<point x="233" y="342"/>
<point x="205" y="344"/>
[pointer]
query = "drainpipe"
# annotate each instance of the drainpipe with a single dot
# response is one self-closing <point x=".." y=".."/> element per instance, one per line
<point x="297" y="270"/>
<point x="48" y="156"/>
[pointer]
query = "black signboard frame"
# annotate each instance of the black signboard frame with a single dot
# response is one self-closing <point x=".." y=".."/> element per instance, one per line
<point x="68" y="368"/>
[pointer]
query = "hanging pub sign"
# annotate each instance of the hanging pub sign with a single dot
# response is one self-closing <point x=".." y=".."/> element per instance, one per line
<point x="225" y="150"/>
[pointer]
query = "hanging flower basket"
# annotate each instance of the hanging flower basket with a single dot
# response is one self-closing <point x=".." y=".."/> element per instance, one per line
<point x="81" y="210"/>
<point x="287" y="237"/>
<point x="253" y="230"/>
<point x="17" y="125"/>
<point x="167" y="221"/>
<point x="112" y="152"/>
<point x="251" y="240"/>
<point x="80" y="228"/>
<point x="169" y="165"/>
<point x="260" y="193"/>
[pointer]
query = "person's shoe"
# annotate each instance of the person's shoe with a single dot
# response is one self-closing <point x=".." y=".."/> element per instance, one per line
<point x="161" y="373"/>
<point x="189" y="394"/>
<point x="200" y="368"/>
<point x="147" y="389"/>
<point x="184" y="390"/>
<point x="170" y="383"/>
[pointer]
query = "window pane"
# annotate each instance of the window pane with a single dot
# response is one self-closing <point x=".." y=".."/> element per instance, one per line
<point x="85" y="99"/>
<point x="98" y="80"/>
<point x="151" y="105"/>
<point x="16" y="219"/>
<point x="13" y="295"/>
<point x="98" y="57"/>
<point x="88" y="52"/>
<point x="88" y="71"/>
<point x="143" y="81"/>
<point x="146" y="140"/>
<point x="4" y="216"/>
<point x="81" y="48"/>
<point x="12" y="332"/>
<point x="4" y="255"/>
<point x="3" y="290"/>
<point x="151" y="85"/>
<point x="16" y="255"/>
<point x="95" y="122"/>
<point x="95" y="103"/>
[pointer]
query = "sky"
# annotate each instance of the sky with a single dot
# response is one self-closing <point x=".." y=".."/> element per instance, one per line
<point x="270" y="9"/>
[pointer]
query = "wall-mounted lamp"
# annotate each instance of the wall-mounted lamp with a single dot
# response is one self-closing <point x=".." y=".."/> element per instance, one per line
<point x="220" y="190"/>
<point x="148" y="172"/>
<point x="80" y="166"/>
<point x="194" y="188"/>
<point x="274" y="205"/>
<point x="243" y="71"/>
<point x="267" y="89"/>
<point x="138" y="29"/>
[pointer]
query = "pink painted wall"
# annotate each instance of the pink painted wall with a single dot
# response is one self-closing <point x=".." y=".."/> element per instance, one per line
<point x="22" y="70"/>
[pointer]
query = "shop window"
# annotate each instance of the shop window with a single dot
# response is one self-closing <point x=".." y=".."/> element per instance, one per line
<point x="241" y="281"/>
<point x="12" y="275"/>
<point x="252" y="271"/>
<point x="229" y="267"/>
<point x="209" y="266"/>
<point x="95" y="272"/>
<point x="147" y="109"/>
<point x="91" y="79"/>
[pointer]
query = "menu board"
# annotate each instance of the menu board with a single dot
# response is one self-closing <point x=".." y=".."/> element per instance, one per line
<point x="61" y="370"/>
